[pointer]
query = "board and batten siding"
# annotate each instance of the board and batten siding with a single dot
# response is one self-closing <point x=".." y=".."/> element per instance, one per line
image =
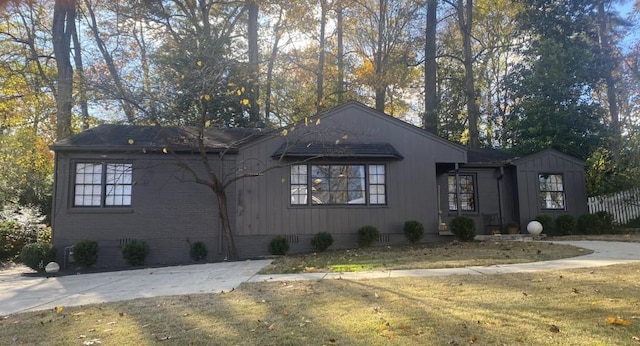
<point x="550" y="161"/>
<point x="487" y="197"/>
<point x="168" y="209"/>
<point x="264" y="208"/>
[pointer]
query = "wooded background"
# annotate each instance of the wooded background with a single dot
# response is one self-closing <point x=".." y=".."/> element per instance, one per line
<point x="514" y="75"/>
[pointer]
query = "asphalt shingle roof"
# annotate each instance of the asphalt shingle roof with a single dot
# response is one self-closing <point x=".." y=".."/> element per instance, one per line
<point x="109" y="136"/>
<point x="339" y="150"/>
<point x="489" y="155"/>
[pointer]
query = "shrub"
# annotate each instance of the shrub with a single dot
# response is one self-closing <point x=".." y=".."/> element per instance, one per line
<point x="589" y="224"/>
<point x="321" y="241"/>
<point x="12" y="240"/>
<point x="135" y="252"/>
<point x="463" y="228"/>
<point x="367" y="235"/>
<point x="547" y="223"/>
<point x="606" y="221"/>
<point x="633" y="223"/>
<point x="21" y="225"/>
<point x="37" y="255"/>
<point x="198" y="251"/>
<point x="85" y="252"/>
<point x="565" y="225"/>
<point x="279" y="246"/>
<point x="413" y="231"/>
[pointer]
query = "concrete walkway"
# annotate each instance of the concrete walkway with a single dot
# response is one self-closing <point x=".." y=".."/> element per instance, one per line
<point x="605" y="253"/>
<point x="19" y="293"/>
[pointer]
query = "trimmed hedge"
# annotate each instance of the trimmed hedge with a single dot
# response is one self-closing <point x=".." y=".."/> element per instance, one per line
<point x="565" y="225"/>
<point x="413" y="231"/>
<point x="367" y="235"/>
<point x="279" y="246"/>
<point x="547" y="223"/>
<point x="321" y="241"/>
<point x="606" y="221"/>
<point x="85" y="252"/>
<point x="37" y="255"/>
<point x="135" y="252"/>
<point x="463" y="228"/>
<point x="198" y="251"/>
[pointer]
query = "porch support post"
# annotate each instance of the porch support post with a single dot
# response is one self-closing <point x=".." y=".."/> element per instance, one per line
<point x="457" y="167"/>
<point x="500" y="211"/>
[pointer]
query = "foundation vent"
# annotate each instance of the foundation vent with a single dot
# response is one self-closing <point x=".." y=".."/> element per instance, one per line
<point x="293" y="239"/>
<point x="383" y="238"/>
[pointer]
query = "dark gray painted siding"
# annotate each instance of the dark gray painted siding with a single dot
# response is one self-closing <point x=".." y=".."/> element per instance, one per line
<point x="264" y="203"/>
<point x="550" y="161"/>
<point x="487" y="196"/>
<point x="168" y="209"/>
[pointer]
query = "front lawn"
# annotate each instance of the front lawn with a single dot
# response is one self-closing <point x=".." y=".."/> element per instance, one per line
<point x="597" y="306"/>
<point x="423" y="256"/>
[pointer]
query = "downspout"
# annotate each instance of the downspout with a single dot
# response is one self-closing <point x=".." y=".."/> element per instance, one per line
<point x="500" y="211"/>
<point x="457" y="168"/>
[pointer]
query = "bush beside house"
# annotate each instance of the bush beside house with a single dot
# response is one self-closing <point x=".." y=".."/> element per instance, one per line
<point x="463" y="228"/>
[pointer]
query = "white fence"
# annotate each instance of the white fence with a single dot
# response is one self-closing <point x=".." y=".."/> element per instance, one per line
<point x="624" y="206"/>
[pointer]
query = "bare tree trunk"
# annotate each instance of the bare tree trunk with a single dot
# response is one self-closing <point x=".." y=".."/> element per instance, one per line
<point x="82" y="82"/>
<point x="320" y="80"/>
<point x="270" y="64"/>
<point x="64" y="15"/>
<point x="223" y="208"/>
<point x="254" y="63"/>
<point x="339" y="30"/>
<point x="465" y="22"/>
<point x="430" y="69"/>
<point x="380" y="85"/>
<point x="608" y="61"/>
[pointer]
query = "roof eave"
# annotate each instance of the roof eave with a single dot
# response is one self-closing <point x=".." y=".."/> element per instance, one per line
<point x="129" y="149"/>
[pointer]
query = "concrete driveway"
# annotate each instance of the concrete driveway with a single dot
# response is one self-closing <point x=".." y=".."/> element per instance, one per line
<point x="19" y="293"/>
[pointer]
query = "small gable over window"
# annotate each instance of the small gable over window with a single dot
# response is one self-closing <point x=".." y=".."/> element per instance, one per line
<point x="339" y="150"/>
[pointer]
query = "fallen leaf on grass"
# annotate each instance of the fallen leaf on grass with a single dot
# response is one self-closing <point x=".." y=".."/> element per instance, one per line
<point x="554" y="329"/>
<point x="617" y="321"/>
<point x="58" y="309"/>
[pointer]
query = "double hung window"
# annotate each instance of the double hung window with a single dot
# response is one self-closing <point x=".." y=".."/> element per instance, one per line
<point x="551" y="191"/>
<point x="100" y="184"/>
<point x="466" y="193"/>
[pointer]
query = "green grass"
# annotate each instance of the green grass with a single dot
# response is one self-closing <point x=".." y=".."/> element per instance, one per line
<point x="422" y="256"/>
<point x="546" y="308"/>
